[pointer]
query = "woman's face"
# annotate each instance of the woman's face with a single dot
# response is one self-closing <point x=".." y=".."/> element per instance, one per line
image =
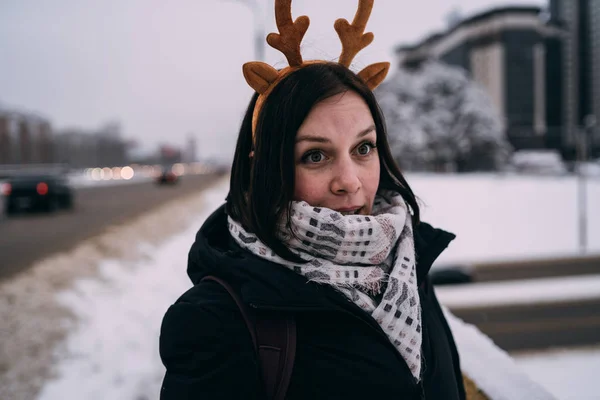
<point x="337" y="165"/>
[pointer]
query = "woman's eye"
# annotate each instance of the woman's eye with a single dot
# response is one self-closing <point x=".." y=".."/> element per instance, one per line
<point x="365" y="148"/>
<point x="313" y="157"/>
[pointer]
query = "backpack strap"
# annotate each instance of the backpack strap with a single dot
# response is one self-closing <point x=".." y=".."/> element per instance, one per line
<point x="274" y="339"/>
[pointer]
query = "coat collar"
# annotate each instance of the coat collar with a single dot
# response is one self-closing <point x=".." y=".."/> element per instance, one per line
<point x="263" y="284"/>
<point x="430" y="242"/>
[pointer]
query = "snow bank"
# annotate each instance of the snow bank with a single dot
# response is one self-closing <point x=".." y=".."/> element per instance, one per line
<point x="546" y="162"/>
<point x="503" y="217"/>
<point x="34" y="322"/>
<point x="568" y="373"/>
<point x="113" y="351"/>
<point x="492" y="369"/>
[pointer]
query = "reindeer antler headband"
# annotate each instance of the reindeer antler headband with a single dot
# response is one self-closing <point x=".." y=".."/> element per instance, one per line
<point x="263" y="77"/>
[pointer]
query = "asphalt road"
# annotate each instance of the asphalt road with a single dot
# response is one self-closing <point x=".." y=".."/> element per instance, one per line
<point x="538" y="326"/>
<point x="26" y="238"/>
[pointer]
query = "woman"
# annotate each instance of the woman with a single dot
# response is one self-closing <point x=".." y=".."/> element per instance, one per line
<point x="318" y="224"/>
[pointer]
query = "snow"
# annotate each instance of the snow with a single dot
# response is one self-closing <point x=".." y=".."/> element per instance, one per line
<point x="568" y="373"/>
<point x="113" y="354"/>
<point x="113" y="351"/>
<point x="591" y="168"/>
<point x="539" y="161"/>
<point x="493" y="370"/>
<point x="538" y="291"/>
<point x="503" y="217"/>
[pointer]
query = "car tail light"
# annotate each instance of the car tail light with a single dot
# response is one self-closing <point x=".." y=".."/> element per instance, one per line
<point x="6" y="189"/>
<point x="42" y="188"/>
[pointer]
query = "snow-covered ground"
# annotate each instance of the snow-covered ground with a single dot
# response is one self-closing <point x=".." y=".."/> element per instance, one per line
<point x="499" y="217"/>
<point x="112" y="351"/>
<point x="567" y="373"/>
<point x="492" y="369"/>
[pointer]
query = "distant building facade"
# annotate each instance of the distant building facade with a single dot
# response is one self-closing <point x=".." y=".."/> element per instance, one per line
<point x="28" y="139"/>
<point x="580" y="63"/>
<point x="5" y="140"/>
<point x="80" y="148"/>
<point x="189" y="155"/>
<point x="513" y="52"/>
<point x="25" y="139"/>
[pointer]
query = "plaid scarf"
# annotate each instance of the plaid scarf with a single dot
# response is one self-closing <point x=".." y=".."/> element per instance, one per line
<point x="358" y="255"/>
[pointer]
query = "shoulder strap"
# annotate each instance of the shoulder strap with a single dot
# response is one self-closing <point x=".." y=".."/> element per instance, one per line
<point x="276" y="337"/>
<point x="274" y="340"/>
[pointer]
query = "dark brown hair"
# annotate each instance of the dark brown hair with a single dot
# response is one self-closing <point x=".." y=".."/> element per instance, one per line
<point x="262" y="187"/>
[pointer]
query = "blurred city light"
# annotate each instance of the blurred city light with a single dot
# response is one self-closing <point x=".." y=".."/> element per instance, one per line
<point x="107" y="174"/>
<point x="127" y="173"/>
<point x="116" y="173"/>
<point x="96" y="174"/>
<point x="178" y="169"/>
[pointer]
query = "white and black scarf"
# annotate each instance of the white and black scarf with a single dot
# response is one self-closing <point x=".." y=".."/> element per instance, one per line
<point x="357" y="254"/>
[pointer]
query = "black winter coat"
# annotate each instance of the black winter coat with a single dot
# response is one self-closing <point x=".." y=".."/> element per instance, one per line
<point x="341" y="352"/>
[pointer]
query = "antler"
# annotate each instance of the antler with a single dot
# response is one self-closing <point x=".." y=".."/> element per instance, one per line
<point x="352" y="36"/>
<point x="290" y="32"/>
<point x="263" y="77"/>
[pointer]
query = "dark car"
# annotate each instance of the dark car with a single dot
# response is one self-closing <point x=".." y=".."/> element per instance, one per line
<point x="167" y="176"/>
<point x="36" y="192"/>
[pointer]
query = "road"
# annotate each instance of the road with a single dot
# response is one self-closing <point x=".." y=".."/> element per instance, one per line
<point x="25" y="238"/>
<point x="537" y="326"/>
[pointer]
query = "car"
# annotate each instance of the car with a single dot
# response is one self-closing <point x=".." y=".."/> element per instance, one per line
<point x="167" y="176"/>
<point x="36" y="192"/>
<point x="538" y="162"/>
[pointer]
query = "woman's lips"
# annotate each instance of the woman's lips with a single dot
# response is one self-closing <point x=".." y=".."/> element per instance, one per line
<point x="349" y="210"/>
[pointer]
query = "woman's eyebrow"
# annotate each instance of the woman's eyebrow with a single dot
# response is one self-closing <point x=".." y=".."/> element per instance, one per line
<point x="321" y="139"/>
<point x="312" y="138"/>
<point x="366" y="131"/>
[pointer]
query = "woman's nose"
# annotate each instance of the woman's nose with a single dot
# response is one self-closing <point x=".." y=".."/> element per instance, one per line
<point x="345" y="178"/>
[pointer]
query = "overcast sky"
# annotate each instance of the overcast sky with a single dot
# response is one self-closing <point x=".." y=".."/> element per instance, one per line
<point x="165" y="69"/>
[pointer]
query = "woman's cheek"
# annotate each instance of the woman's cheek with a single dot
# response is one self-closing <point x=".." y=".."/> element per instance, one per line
<point x="308" y="188"/>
